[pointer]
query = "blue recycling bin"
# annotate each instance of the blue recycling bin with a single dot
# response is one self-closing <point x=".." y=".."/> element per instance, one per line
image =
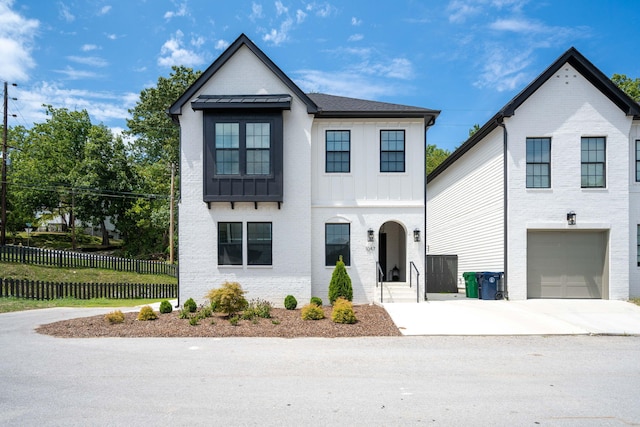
<point x="490" y="285"/>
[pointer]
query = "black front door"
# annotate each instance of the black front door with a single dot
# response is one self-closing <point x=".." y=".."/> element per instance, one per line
<point x="382" y="254"/>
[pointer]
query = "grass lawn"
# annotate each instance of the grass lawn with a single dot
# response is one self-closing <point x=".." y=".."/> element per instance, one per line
<point x="635" y="301"/>
<point x="19" y="304"/>
<point x="78" y="275"/>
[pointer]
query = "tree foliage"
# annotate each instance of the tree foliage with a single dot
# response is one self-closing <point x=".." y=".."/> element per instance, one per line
<point x="629" y="85"/>
<point x="435" y="156"/>
<point x="340" y="285"/>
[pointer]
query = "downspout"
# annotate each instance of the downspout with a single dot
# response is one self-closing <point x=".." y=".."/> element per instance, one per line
<point x="430" y="123"/>
<point x="505" y="146"/>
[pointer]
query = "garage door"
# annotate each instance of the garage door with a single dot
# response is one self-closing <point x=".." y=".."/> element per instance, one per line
<point x="566" y="264"/>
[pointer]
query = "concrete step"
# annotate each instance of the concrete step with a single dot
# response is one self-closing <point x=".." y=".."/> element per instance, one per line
<point x="397" y="292"/>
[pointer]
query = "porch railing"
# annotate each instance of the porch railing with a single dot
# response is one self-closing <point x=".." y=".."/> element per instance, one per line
<point x="412" y="268"/>
<point x="380" y="279"/>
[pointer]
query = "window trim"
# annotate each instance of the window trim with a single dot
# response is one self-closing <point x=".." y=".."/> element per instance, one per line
<point x="533" y="163"/>
<point x="637" y="160"/>
<point x="346" y="259"/>
<point x="603" y="163"/>
<point x="404" y="151"/>
<point x="249" y="243"/>
<point x="638" y="244"/>
<point x="327" y="151"/>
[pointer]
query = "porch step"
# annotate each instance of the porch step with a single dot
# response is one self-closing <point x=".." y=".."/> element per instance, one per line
<point x="397" y="292"/>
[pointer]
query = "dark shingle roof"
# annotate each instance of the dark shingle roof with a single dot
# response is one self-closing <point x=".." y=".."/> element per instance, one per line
<point x="340" y="106"/>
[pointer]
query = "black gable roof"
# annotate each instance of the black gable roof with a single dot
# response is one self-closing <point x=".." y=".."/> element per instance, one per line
<point x="576" y="60"/>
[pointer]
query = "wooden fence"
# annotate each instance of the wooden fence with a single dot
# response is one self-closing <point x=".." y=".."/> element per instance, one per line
<point x="47" y="290"/>
<point x="56" y="258"/>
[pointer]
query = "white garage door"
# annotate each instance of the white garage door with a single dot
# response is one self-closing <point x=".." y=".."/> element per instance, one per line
<point x="566" y="264"/>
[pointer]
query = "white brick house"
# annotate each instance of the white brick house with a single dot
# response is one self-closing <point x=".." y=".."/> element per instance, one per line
<point x="568" y="144"/>
<point x="276" y="183"/>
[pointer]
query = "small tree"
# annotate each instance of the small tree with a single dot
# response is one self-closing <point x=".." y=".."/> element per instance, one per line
<point x="228" y="299"/>
<point x="340" y="285"/>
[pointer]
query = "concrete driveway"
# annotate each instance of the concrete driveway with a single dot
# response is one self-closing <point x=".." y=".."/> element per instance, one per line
<point x="530" y="317"/>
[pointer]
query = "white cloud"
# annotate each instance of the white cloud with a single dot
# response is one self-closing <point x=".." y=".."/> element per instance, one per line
<point x="17" y="35"/>
<point x="356" y="37"/>
<point x="221" y="44"/>
<point x="350" y="84"/>
<point x="182" y="11"/>
<point x="460" y="10"/>
<point x="73" y="74"/>
<point x="198" y="41"/>
<point x="89" y="47"/>
<point x="111" y="36"/>
<point x="256" y="11"/>
<point x="356" y="22"/>
<point x="104" y="10"/>
<point x="300" y="16"/>
<point x="93" y="61"/>
<point x="65" y="13"/>
<point x="280" y="35"/>
<point x="518" y="26"/>
<point x="505" y="69"/>
<point x="280" y="8"/>
<point x="172" y="53"/>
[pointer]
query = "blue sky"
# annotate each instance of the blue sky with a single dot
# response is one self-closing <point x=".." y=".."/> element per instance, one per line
<point x="464" y="57"/>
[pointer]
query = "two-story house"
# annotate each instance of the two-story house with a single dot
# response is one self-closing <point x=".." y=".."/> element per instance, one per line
<point x="548" y="190"/>
<point x="277" y="184"/>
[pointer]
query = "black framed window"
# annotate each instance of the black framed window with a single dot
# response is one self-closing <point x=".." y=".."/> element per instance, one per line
<point x="259" y="243"/>
<point x="638" y="245"/>
<point x="258" y="143"/>
<point x="593" y="158"/>
<point x="338" y="151"/>
<point x="229" y="243"/>
<point x="637" y="160"/>
<point x="337" y="243"/>
<point x="227" y="148"/>
<point x="392" y="151"/>
<point x="538" y="162"/>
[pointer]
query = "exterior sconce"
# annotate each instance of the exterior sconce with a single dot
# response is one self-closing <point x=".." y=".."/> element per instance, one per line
<point x="571" y="218"/>
<point x="416" y="235"/>
<point x="370" y="235"/>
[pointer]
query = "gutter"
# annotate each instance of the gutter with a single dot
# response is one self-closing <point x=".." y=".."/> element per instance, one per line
<point x="505" y="146"/>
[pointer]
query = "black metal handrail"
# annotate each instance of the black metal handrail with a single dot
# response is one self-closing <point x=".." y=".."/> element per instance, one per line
<point x="412" y="267"/>
<point x="379" y="279"/>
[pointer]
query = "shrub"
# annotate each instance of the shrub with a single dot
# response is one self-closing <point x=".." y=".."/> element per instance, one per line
<point x="290" y="302"/>
<point x="183" y="314"/>
<point x="228" y="299"/>
<point x="147" y="313"/>
<point x="317" y="301"/>
<point x="340" y="285"/>
<point x="194" y="321"/>
<point x="115" y="317"/>
<point x="165" y="307"/>
<point x="234" y="320"/>
<point x="190" y="305"/>
<point x="312" y="312"/>
<point x="257" y="308"/>
<point x="206" y="312"/>
<point x="343" y="312"/>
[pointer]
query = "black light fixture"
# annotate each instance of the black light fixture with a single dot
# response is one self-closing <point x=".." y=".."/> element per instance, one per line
<point x="571" y="218"/>
<point x="370" y="235"/>
<point x="416" y="235"/>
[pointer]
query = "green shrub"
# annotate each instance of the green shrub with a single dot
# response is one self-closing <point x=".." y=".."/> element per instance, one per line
<point x="183" y="314"/>
<point x="206" y="312"/>
<point x="275" y="321"/>
<point x="194" y="321"/>
<point x="228" y="299"/>
<point x="147" y="313"/>
<point x="290" y="302"/>
<point x="115" y="317"/>
<point x="343" y="311"/>
<point x="165" y="307"/>
<point x="257" y="308"/>
<point x="312" y="312"/>
<point x="234" y="320"/>
<point x="340" y="285"/>
<point x="190" y="305"/>
<point x="317" y="301"/>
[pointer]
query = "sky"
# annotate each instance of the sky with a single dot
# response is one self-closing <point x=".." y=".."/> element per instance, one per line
<point x="466" y="58"/>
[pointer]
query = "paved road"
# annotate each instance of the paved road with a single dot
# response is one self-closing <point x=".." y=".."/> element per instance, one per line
<point x="411" y="380"/>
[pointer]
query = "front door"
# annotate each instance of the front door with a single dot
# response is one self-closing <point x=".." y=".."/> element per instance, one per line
<point x="382" y="254"/>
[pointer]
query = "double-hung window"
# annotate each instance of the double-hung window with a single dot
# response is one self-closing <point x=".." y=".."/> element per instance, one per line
<point x="259" y="238"/>
<point x="338" y="151"/>
<point x="637" y="160"/>
<point x="392" y="151"/>
<point x="259" y="243"/>
<point x="538" y="162"/>
<point x="243" y="148"/>
<point x="593" y="158"/>
<point x="337" y="243"/>
<point x="229" y="243"/>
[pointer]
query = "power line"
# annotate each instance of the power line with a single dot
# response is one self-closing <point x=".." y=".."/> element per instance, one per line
<point x="91" y="191"/>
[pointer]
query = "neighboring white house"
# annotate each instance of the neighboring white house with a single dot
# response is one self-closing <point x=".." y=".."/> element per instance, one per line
<point x="548" y="190"/>
<point x="276" y="184"/>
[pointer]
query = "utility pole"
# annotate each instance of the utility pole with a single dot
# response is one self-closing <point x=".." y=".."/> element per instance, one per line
<point x="171" y="213"/>
<point x="3" y="207"/>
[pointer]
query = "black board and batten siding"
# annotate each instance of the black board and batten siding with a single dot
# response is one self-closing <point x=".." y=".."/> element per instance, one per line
<point x="442" y="273"/>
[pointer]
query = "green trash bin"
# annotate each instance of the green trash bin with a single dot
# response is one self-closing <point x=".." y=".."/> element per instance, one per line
<point x="470" y="284"/>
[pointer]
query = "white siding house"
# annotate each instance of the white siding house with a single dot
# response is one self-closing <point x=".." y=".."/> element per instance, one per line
<point x="565" y="148"/>
<point x="276" y="183"/>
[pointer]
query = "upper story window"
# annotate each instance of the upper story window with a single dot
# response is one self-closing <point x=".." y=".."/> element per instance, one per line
<point x="538" y="162"/>
<point x="637" y="160"/>
<point x="392" y="151"/>
<point x="337" y="243"/>
<point x="242" y="148"/>
<point x="338" y="151"/>
<point x="258" y="144"/>
<point x="593" y="158"/>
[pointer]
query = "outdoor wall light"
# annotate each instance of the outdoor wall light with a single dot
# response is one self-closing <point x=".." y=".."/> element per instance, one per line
<point x="370" y="235"/>
<point x="416" y="235"/>
<point x="571" y="218"/>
